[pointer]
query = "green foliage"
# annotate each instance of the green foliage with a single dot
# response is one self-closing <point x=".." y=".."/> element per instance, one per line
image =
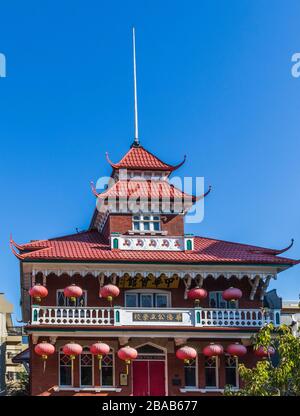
<point x="266" y="379"/>
<point x="19" y="387"/>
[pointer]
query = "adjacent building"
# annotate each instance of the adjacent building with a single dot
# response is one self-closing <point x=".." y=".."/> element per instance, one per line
<point x="6" y="309"/>
<point x="171" y="294"/>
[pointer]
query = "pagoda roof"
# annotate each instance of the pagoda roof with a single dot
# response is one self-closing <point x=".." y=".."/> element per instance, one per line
<point x="138" y="158"/>
<point x="91" y="246"/>
<point x="144" y="189"/>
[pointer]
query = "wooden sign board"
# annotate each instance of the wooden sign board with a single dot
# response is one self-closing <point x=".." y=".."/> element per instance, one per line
<point x="149" y="282"/>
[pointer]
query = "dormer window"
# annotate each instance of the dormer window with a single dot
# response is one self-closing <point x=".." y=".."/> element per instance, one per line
<point x="146" y="223"/>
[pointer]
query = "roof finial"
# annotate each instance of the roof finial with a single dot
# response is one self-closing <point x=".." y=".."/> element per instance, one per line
<point x="136" y="141"/>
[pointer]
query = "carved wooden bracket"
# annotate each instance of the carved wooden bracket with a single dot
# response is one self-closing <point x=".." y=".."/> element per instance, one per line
<point x="123" y="340"/>
<point x="187" y="280"/>
<point x="35" y="339"/>
<point x="53" y="340"/>
<point x="264" y="286"/>
<point x="254" y="284"/>
<point x="199" y="280"/>
<point x="180" y="341"/>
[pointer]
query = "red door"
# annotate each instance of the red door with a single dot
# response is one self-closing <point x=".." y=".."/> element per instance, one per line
<point x="157" y="378"/>
<point x="148" y="378"/>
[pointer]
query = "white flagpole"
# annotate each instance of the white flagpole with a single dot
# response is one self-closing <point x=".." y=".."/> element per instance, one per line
<point x="136" y="127"/>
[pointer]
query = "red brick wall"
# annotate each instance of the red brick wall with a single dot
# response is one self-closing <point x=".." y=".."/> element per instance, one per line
<point x="43" y="383"/>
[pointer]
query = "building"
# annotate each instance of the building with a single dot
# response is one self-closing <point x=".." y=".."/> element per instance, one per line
<point x="6" y="309"/>
<point x="136" y="245"/>
<point x="148" y="256"/>
<point x="290" y="315"/>
<point x="16" y="343"/>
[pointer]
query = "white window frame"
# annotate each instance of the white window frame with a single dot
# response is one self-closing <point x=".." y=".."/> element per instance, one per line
<point x="196" y="376"/>
<point x="236" y="371"/>
<point x="72" y="372"/>
<point x="111" y="352"/>
<point x="217" y="373"/>
<point x="84" y="292"/>
<point x="93" y="366"/>
<point x="148" y="292"/>
<point x="141" y="221"/>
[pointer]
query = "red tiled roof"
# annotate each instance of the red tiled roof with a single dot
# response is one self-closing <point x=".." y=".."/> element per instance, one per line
<point x="144" y="189"/>
<point x="141" y="159"/>
<point x="91" y="246"/>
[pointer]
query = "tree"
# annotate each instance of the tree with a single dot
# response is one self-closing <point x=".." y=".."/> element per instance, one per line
<point x="267" y="378"/>
<point x="20" y="387"/>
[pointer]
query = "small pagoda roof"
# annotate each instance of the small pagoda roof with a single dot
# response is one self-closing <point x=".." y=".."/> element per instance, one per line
<point x="138" y="158"/>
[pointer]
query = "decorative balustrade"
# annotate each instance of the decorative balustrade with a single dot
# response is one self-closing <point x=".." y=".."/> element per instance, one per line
<point x="119" y="316"/>
<point x="57" y="315"/>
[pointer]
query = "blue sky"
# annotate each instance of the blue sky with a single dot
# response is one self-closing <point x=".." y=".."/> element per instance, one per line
<point x="214" y="82"/>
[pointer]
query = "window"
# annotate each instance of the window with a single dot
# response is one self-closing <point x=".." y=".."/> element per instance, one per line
<point x="231" y="371"/>
<point x="86" y="368"/>
<point x="65" y="370"/>
<point x="107" y="371"/>
<point x="211" y="372"/>
<point x="146" y="223"/>
<point x="216" y="301"/>
<point x="61" y="300"/>
<point x="190" y="374"/>
<point x="147" y="300"/>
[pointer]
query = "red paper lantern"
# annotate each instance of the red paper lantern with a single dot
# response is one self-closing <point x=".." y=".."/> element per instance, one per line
<point x="109" y="292"/>
<point x="44" y="349"/>
<point x="127" y="354"/>
<point x="186" y="354"/>
<point x="197" y="294"/>
<point x="263" y="352"/>
<point x="237" y="350"/>
<point x="99" y="349"/>
<point x="72" y="350"/>
<point x="213" y="350"/>
<point x="38" y="292"/>
<point x="73" y="292"/>
<point x="232" y="294"/>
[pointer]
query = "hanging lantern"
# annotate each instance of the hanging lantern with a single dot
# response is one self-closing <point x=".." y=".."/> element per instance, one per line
<point x="109" y="292"/>
<point x="72" y="350"/>
<point x="197" y="294"/>
<point x="237" y="350"/>
<point x="38" y="292"/>
<point x="99" y="349"/>
<point x="186" y="354"/>
<point x="213" y="350"/>
<point x="263" y="352"/>
<point x="232" y="294"/>
<point x="127" y="354"/>
<point x="44" y="349"/>
<point x="73" y="292"/>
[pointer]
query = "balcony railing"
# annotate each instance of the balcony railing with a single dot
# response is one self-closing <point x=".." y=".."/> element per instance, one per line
<point x="184" y="317"/>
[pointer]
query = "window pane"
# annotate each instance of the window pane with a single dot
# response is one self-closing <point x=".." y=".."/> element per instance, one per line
<point x="146" y="301"/>
<point x="230" y="376"/>
<point x="65" y="370"/>
<point x="190" y="376"/>
<point x="161" y="301"/>
<point x="131" y="300"/>
<point x="146" y="218"/>
<point x="156" y="226"/>
<point x="210" y="377"/>
<point x="86" y="370"/>
<point x="146" y="226"/>
<point x="155" y="218"/>
<point x="136" y="217"/>
<point x="136" y="225"/>
<point x="107" y="371"/>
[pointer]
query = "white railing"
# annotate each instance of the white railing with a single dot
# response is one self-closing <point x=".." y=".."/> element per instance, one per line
<point x="72" y="316"/>
<point x="119" y="316"/>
